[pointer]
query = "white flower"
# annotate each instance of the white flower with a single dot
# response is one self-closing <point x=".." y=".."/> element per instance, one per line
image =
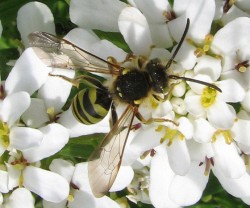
<point x="212" y="104"/>
<point x="20" y="198"/>
<point x="80" y="194"/>
<point x="227" y="11"/>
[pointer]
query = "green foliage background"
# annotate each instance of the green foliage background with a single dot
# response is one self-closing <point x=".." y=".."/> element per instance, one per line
<point x="79" y="149"/>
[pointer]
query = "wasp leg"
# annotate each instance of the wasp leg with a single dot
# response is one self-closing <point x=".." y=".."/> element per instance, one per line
<point x="113" y="117"/>
<point x="151" y="120"/>
<point x="166" y="96"/>
<point x="88" y="80"/>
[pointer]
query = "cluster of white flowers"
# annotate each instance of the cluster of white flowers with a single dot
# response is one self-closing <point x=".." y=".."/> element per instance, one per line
<point x="213" y="127"/>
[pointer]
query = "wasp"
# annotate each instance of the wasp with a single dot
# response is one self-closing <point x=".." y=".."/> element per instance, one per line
<point x="129" y="85"/>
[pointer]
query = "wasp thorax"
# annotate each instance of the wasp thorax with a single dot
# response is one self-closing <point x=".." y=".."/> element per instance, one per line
<point x="157" y="76"/>
<point x="132" y="86"/>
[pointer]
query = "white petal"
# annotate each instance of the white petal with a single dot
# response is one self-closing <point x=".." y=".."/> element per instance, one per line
<point x="28" y="74"/>
<point x="22" y="138"/>
<point x="221" y="115"/>
<point x="153" y="9"/>
<point x="193" y="105"/>
<point x="82" y="38"/>
<point x="105" y="49"/>
<point x="241" y="131"/>
<point x="231" y="91"/>
<point x="55" y="138"/>
<point x="227" y="159"/>
<point x="4" y="181"/>
<point x="160" y="35"/>
<point x="80" y="177"/>
<point x="187" y="190"/>
<point x="84" y="14"/>
<point x="179" y="89"/>
<point x="185" y="127"/>
<point x="21" y="198"/>
<point x="55" y="91"/>
<point x="14" y="106"/>
<point x="14" y="175"/>
<point x="63" y="168"/>
<point x="246" y="101"/>
<point x="36" y="115"/>
<point x="76" y="128"/>
<point x="196" y="87"/>
<point x="62" y="204"/>
<point x="200" y="151"/>
<point x="209" y="66"/>
<point x="34" y="16"/>
<point x="201" y="15"/>
<point x="186" y="56"/>
<point x="106" y="202"/>
<point x="123" y="178"/>
<point x="178" y="156"/>
<point x="146" y="139"/>
<point x="82" y="199"/>
<point x="237" y="187"/>
<point x="135" y="30"/>
<point x="239" y="28"/>
<point x="48" y="185"/>
<point x="203" y="130"/>
<point x="161" y="176"/>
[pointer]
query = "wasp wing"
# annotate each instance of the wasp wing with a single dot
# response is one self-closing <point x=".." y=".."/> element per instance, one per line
<point x="104" y="163"/>
<point x="60" y="53"/>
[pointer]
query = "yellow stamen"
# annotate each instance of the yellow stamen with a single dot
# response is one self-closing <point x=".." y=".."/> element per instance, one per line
<point x="208" y="97"/>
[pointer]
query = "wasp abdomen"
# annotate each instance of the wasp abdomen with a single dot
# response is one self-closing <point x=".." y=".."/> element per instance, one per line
<point x="91" y="105"/>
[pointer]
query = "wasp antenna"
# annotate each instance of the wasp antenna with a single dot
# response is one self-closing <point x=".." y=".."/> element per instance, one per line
<point x="196" y="81"/>
<point x="179" y="45"/>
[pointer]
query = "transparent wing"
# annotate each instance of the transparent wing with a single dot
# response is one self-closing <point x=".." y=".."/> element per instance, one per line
<point x="105" y="162"/>
<point x="60" y="53"/>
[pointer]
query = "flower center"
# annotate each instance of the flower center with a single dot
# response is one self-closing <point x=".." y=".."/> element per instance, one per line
<point x="225" y="133"/>
<point x="4" y="134"/>
<point x="204" y="47"/>
<point x="169" y="134"/>
<point x="208" y="97"/>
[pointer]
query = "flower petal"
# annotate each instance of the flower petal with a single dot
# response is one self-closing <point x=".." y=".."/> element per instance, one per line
<point x="28" y="74"/>
<point x="193" y="105"/>
<point x="34" y="16"/>
<point x="187" y="190"/>
<point x="220" y="115"/>
<point x="36" y="115"/>
<point x="14" y="106"/>
<point x="223" y="39"/>
<point x="4" y="181"/>
<point x="161" y="176"/>
<point x="201" y="15"/>
<point x="63" y="168"/>
<point x="123" y="178"/>
<point x="55" y="138"/>
<point x="241" y="131"/>
<point x="82" y="199"/>
<point x="55" y="91"/>
<point x="203" y="131"/>
<point x="105" y="19"/>
<point x="227" y="159"/>
<point x="178" y="157"/>
<point x="237" y="187"/>
<point x="231" y="91"/>
<point x="209" y="66"/>
<point x="22" y="138"/>
<point x="135" y="30"/>
<point x="48" y="185"/>
<point x="21" y="198"/>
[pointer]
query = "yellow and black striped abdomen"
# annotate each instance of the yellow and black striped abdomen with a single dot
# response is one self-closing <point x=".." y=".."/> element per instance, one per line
<point x="91" y="105"/>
